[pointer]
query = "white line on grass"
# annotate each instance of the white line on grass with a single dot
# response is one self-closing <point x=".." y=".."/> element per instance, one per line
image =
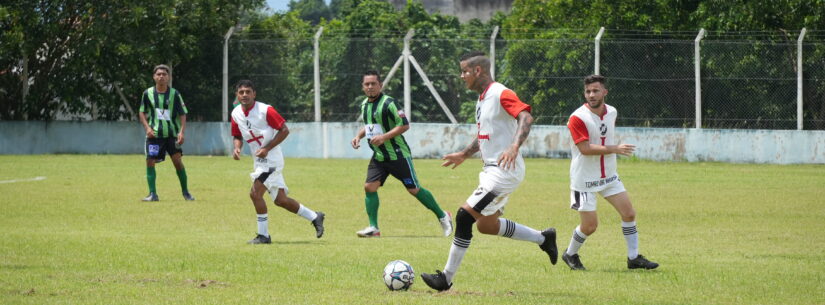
<point x="38" y="178"/>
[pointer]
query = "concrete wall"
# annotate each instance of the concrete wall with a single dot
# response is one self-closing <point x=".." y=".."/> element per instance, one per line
<point x="331" y="140"/>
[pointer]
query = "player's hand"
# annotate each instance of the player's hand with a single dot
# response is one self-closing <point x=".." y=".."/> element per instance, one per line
<point x="377" y="140"/>
<point x="625" y="149"/>
<point x="261" y="152"/>
<point x="454" y="159"/>
<point x="507" y="159"/>
<point x="180" y="138"/>
<point x="150" y="134"/>
<point x="236" y="154"/>
<point x="356" y="143"/>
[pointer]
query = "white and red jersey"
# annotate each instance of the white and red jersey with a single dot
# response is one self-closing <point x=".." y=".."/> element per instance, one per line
<point x="592" y="173"/>
<point x="497" y="120"/>
<point x="258" y="126"/>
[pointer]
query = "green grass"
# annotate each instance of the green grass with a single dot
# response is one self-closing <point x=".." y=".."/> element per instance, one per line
<point x="723" y="234"/>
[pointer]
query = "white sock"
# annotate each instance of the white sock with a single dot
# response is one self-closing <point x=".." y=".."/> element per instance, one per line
<point x="632" y="238"/>
<point x="457" y="251"/>
<point x="306" y="213"/>
<point x="263" y="224"/>
<point x="511" y="229"/>
<point x="576" y="241"/>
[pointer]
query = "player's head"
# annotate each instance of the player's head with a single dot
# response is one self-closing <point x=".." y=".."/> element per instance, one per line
<point x="161" y="74"/>
<point x="474" y="66"/>
<point x="595" y="90"/>
<point x="371" y="84"/>
<point x="245" y="92"/>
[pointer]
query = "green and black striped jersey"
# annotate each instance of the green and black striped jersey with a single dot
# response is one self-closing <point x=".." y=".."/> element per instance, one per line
<point x="380" y="117"/>
<point x="163" y="111"/>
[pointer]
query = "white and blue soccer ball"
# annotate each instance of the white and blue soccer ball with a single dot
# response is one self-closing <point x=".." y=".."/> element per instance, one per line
<point x="398" y="275"/>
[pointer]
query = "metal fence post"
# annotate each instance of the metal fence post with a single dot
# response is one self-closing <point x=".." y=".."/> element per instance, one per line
<point x="493" y="52"/>
<point x="598" y="50"/>
<point x="225" y="99"/>
<point x="799" y="79"/>
<point x="697" y="73"/>
<point x="407" y="90"/>
<point x="317" y="72"/>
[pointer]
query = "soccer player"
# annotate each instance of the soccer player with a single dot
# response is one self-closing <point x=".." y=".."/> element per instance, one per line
<point x="383" y="127"/>
<point x="163" y="116"/>
<point x="503" y="122"/>
<point x="264" y="129"/>
<point x="593" y="170"/>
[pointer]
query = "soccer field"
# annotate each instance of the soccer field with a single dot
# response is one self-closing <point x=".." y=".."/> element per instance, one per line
<point x="723" y="234"/>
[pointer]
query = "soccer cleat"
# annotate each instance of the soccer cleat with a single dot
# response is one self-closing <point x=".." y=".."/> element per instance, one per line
<point x="151" y="197"/>
<point x="369" y="232"/>
<point x="640" y="262"/>
<point x="447" y="224"/>
<point x="549" y="244"/>
<point x="260" y="239"/>
<point x="573" y="261"/>
<point x="437" y="281"/>
<point x="318" y="223"/>
<point x="188" y="196"/>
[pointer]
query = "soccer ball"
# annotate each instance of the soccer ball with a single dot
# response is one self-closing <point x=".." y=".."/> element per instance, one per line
<point x="398" y="275"/>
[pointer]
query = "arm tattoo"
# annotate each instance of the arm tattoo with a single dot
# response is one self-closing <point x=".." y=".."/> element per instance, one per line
<point x="525" y="121"/>
<point x="472" y="148"/>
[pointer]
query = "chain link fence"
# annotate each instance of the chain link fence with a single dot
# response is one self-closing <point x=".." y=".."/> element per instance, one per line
<point x="745" y="84"/>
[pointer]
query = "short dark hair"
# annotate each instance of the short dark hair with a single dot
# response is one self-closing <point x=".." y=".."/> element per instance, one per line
<point x="373" y="72"/>
<point x="164" y="67"/>
<point x="244" y="83"/>
<point x="472" y="54"/>
<point x="595" y="78"/>
<point x="477" y="59"/>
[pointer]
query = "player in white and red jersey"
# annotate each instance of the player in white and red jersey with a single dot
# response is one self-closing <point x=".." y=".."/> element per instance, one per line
<point x="260" y="126"/>
<point x="593" y="170"/>
<point x="503" y="122"/>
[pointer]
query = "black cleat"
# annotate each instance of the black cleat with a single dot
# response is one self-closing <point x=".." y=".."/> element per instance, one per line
<point x="549" y="244"/>
<point x="640" y="262"/>
<point x="437" y="281"/>
<point x="260" y="239"/>
<point x="188" y="196"/>
<point x="573" y="261"/>
<point x="318" y="223"/>
<point x="151" y="197"/>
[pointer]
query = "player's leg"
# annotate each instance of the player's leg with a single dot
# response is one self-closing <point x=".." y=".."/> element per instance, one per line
<point x="403" y="170"/>
<point x="461" y="242"/>
<point x="292" y="205"/>
<point x="585" y="204"/>
<point x="256" y="194"/>
<point x="177" y="159"/>
<point x="152" y="151"/>
<point x="376" y="175"/>
<point x="621" y="202"/>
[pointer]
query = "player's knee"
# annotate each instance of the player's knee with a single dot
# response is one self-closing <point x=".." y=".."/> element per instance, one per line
<point x="464" y="224"/>
<point x="370" y="187"/>
<point x="413" y="191"/>
<point x="629" y="215"/>
<point x="588" y="228"/>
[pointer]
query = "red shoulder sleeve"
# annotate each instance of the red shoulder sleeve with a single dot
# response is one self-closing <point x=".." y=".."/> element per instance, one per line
<point x="274" y="119"/>
<point x="512" y="104"/>
<point x="236" y="132"/>
<point x="578" y="130"/>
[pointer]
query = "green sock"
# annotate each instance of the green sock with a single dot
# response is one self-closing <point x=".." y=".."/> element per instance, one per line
<point x="182" y="178"/>
<point x="371" y="201"/>
<point x="150" y="178"/>
<point x="426" y="198"/>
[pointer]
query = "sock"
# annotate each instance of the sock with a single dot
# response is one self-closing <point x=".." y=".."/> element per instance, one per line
<point x="511" y="229"/>
<point x="372" y="203"/>
<point x="263" y="224"/>
<point x="306" y="213"/>
<point x="457" y="251"/>
<point x="426" y="198"/>
<point x="150" y="178"/>
<point x="182" y="179"/>
<point x="576" y="241"/>
<point x="632" y="238"/>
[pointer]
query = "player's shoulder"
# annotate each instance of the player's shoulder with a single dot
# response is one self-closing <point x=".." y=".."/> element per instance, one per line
<point x="610" y="108"/>
<point x="580" y="112"/>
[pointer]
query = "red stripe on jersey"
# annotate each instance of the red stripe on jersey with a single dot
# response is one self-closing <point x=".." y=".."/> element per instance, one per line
<point x="483" y="137"/>
<point x="601" y="160"/>
<point x="512" y="104"/>
<point x="274" y="119"/>
<point x="236" y="132"/>
<point x="481" y="97"/>
<point x="578" y="130"/>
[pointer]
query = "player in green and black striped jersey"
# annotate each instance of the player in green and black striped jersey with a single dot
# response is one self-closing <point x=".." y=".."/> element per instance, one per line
<point x="163" y="116"/>
<point x="383" y="127"/>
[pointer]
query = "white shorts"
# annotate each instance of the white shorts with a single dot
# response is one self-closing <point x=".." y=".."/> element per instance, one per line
<point x="494" y="188"/>
<point x="586" y="201"/>
<point x="272" y="178"/>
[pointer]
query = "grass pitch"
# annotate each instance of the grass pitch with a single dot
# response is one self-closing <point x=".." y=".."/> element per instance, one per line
<point x="723" y="234"/>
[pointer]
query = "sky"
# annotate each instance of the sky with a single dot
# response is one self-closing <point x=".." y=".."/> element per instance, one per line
<point x="281" y="5"/>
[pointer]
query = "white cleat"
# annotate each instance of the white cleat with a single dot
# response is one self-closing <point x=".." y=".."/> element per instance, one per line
<point x="369" y="232"/>
<point x="447" y="224"/>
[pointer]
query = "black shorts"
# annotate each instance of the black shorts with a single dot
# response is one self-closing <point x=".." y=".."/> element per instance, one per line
<point x="157" y="148"/>
<point x="401" y="169"/>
